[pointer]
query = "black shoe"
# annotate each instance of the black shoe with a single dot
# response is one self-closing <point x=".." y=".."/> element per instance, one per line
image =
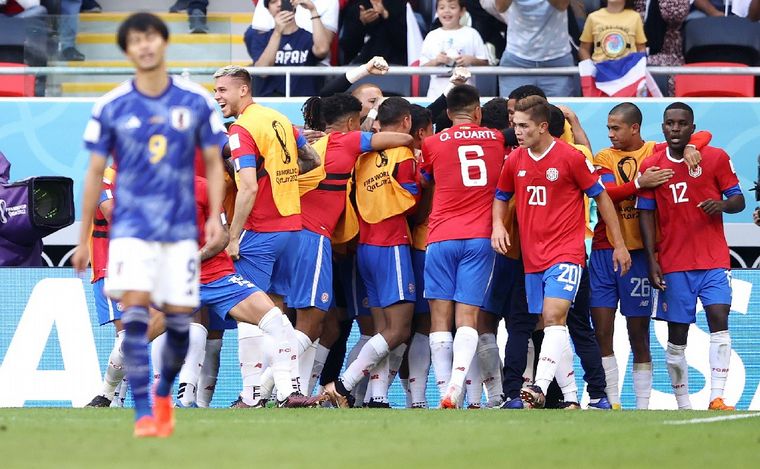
<point x="71" y="54"/>
<point x="198" y="22"/>
<point x="179" y="5"/>
<point x="99" y="401"/>
<point x="378" y="405"/>
<point x="90" y="6"/>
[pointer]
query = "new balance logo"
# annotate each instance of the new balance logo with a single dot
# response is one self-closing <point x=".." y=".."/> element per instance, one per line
<point x="521" y="173"/>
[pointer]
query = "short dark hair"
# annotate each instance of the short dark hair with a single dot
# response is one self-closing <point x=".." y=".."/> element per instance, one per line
<point x="421" y="118"/>
<point x="524" y="91"/>
<point x="142" y="22"/>
<point x="630" y="113"/>
<point x="338" y="106"/>
<point x="556" y="121"/>
<point x="460" y="2"/>
<point x="536" y="107"/>
<point x="462" y="98"/>
<point x="495" y="114"/>
<point x="682" y="106"/>
<point x="392" y="110"/>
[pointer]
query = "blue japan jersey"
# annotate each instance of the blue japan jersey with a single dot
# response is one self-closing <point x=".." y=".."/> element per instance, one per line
<point x="153" y="141"/>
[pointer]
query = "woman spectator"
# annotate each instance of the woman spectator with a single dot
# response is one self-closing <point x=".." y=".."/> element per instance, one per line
<point x="663" y="21"/>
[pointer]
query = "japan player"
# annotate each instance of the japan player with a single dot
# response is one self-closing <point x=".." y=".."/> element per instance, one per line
<point x="548" y="179"/>
<point x="690" y="206"/>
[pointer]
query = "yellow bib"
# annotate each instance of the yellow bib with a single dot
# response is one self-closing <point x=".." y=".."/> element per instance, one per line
<point x="309" y="181"/>
<point x="378" y="195"/>
<point x="273" y="134"/>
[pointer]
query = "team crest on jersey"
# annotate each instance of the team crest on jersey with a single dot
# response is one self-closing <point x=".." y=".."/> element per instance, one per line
<point x="180" y="118"/>
<point x="411" y="288"/>
<point x="552" y="174"/>
<point x="325" y="297"/>
<point x="695" y="173"/>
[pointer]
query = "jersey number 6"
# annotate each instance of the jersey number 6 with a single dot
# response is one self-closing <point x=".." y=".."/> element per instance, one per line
<point x="466" y="165"/>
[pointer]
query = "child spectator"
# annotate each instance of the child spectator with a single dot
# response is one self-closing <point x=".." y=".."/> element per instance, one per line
<point x="612" y="32"/>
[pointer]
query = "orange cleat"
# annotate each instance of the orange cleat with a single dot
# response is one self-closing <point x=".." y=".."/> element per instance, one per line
<point x="163" y="410"/>
<point x="718" y="404"/>
<point x="145" y="427"/>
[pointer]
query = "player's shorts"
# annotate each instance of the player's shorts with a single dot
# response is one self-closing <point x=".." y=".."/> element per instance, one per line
<point x="108" y="310"/>
<point x="357" y="302"/>
<point x="221" y="295"/>
<point x="459" y="270"/>
<point x="632" y="290"/>
<point x="311" y="285"/>
<point x="679" y="300"/>
<point x="267" y="259"/>
<point x="421" y="306"/>
<point x="499" y="294"/>
<point x="387" y="273"/>
<point x="558" y="281"/>
<point x="169" y="271"/>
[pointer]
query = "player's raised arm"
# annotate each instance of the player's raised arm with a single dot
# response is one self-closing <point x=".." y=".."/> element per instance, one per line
<point x="621" y="259"/>
<point x="92" y="183"/>
<point x="386" y="140"/>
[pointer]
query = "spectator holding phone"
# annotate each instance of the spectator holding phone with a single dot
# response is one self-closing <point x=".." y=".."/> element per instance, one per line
<point x="288" y="45"/>
<point x="374" y="28"/>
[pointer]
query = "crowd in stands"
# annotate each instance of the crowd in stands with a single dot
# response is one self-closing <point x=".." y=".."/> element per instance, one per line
<point x="473" y="33"/>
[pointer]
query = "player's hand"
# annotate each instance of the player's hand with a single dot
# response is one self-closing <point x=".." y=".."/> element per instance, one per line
<point x="692" y="157"/>
<point x="378" y="6"/>
<point x="655" y="276"/>
<point x="233" y="248"/>
<point x="214" y="231"/>
<point x="282" y="20"/>
<point x="655" y="177"/>
<point x="377" y="66"/>
<point x="712" y="207"/>
<point x="621" y="260"/>
<point x="464" y="60"/>
<point x="756" y="216"/>
<point x="308" y="4"/>
<point x="80" y="259"/>
<point x="312" y="135"/>
<point x="500" y="240"/>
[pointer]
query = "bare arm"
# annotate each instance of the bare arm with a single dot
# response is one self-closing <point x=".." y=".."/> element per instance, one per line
<point x="641" y="47"/>
<point x="733" y="204"/>
<point x="211" y="249"/>
<point x="322" y="36"/>
<point x="92" y="186"/>
<point x="385" y="140"/>
<point x="499" y="236"/>
<point x="707" y="7"/>
<point x="754" y="10"/>
<point x="584" y="52"/>
<point x="579" y="135"/>
<point x="308" y="159"/>
<point x="266" y="59"/>
<point x="246" y="195"/>
<point x="215" y="180"/>
<point x="647" y="226"/>
<point x="503" y="5"/>
<point x="560" y="5"/>
<point x="621" y="259"/>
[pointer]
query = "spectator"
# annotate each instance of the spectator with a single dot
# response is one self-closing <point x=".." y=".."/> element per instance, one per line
<point x="612" y="32"/>
<point x="663" y="22"/>
<point x="287" y="45"/>
<point x="69" y="25"/>
<point x="374" y="28"/>
<point x="451" y="45"/>
<point x="196" y="13"/>
<point x="705" y="8"/>
<point x="537" y="37"/>
<point x="328" y="11"/>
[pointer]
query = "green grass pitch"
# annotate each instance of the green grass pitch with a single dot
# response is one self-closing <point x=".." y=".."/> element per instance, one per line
<point x="361" y="438"/>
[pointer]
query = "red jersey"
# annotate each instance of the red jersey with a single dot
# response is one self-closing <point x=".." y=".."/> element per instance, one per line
<point x="220" y="265"/>
<point x="100" y="229"/>
<point x="393" y="231"/>
<point x="464" y="161"/>
<point x="264" y="216"/>
<point x="681" y="222"/>
<point x="322" y="207"/>
<point x="548" y="191"/>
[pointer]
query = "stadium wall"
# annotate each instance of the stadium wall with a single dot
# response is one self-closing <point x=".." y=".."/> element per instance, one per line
<point x="54" y="352"/>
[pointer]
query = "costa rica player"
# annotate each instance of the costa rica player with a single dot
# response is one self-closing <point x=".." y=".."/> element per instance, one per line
<point x="548" y="179"/>
<point x="462" y="163"/>
<point x="690" y="206"/>
<point x="152" y="125"/>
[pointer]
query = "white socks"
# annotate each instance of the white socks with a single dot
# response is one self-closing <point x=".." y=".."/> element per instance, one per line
<point x="320" y="357"/>
<point x="378" y="380"/>
<point x="678" y="369"/>
<point x="441" y="354"/>
<point x="395" y="357"/>
<point x="565" y="375"/>
<point x="252" y="356"/>
<point x="465" y="344"/>
<point x="720" y="356"/>
<point x="191" y="369"/>
<point x="370" y="355"/>
<point x="156" y="351"/>
<point x="307" y="351"/>
<point x="556" y="339"/>
<point x="490" y="366"/>
<point x="209" y="372"/>
<point x="528" y="374"/>
<point x="609" y="363"/>
<point x="419" y="367"/>
<point x="642" y="384"/>
<point x="115" y="370"/>
<point x="474" y="383"/>
<point x="282" y="353"/>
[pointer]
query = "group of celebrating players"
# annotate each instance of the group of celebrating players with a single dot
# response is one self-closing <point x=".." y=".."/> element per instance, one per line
<point x="426" y="239"/>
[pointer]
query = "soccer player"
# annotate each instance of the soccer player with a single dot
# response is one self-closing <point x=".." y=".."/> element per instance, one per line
<point x="690" y="206"/>
<point x="618" y="167"/>
<point x="462" y="163"/>
<point x="152" y="124"/>
<point x="264" y="230"/>
<point x="385" y="192"/>
<point x="548" y="178"/>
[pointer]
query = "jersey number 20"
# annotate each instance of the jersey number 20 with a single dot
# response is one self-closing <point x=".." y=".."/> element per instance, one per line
<point x="466" y="165"/>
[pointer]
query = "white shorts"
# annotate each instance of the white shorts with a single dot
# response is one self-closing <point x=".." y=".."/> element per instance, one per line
<point x="169" y="271"/>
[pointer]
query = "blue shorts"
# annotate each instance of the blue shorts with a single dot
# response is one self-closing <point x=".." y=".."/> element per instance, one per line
<point x="220" y="296"/>
<point x="268" y="259"/>
<point x="558" y="281"/>
<point x="421" y="306"/>
<point x="347" y="270"/>
<point x="632" y="290"/>
<point x="387" y="273"/>
<point x="108" y="310"/>
<point x="499" y="291"/>
<point x="679" y="300"/>
<point x="313" y="273"/>
<point x="459" y="270"/>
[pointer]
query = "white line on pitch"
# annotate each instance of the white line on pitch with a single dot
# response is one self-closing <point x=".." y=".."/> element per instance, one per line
<point x="711" y="419"/>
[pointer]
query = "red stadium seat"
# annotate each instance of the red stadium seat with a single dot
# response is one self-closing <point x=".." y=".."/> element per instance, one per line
<point x="732" y="86"/>
<point x="16" y="85"/>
